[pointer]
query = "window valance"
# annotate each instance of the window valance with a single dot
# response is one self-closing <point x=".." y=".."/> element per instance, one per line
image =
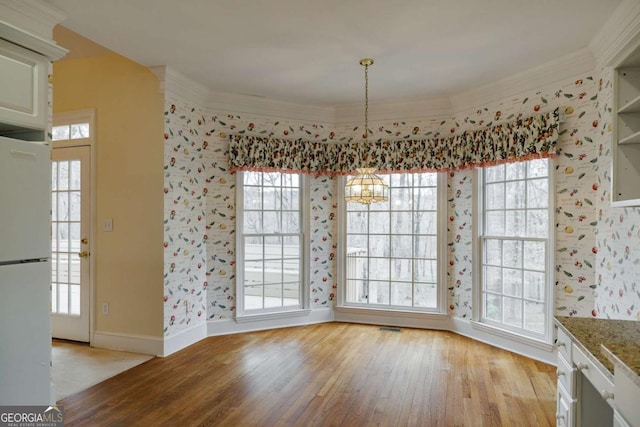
<point x="533" y="137"/>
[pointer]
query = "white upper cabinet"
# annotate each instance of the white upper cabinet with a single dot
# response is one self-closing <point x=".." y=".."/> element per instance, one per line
<point x="23" y="87"/>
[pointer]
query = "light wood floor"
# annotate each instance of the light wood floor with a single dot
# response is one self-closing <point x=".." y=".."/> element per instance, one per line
<point x="331" y="374"/>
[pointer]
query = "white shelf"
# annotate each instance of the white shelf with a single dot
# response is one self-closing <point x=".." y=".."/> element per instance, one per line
<point x="631" y="139"/>
<point x="632" y="106"/>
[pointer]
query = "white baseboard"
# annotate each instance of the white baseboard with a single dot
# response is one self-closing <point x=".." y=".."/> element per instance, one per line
<point x="521" y="345"/>
<point x="144" y="344"/>
<point x="229" y="326"/>
<point x="183" y="339"/>
<point x="403" y="319"/>
<point x="524" y="346"/>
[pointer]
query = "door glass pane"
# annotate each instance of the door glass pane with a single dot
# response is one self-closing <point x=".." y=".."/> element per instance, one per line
<point x="75" y="300"/>
<point x="80" y="130"/>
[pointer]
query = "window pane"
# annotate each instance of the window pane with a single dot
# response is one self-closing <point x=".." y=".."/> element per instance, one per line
<point x="494" y="223"/>
<point x="512" y="311"/>
<point x="401" y="294"/>
<point x="534" y="316"/>
<point x="538" y="223"/>
<point x="515" y="223"/>
<point x="494" y="198"/>
<point x="493" y="279"/>
<point x="512" y="282"/>
<point x="60" y="133"/>
<point x="291" y="221"/>
<point x="252" y="178"/>
<point x="357" y="244"/>
<point x="401" y="246"/>
<point x="252" y="198"/>
<point x="512" y="256"/>
<point x="538" y="193"/>
<point x="426" y="295"/>
<point x="425" y="198"/>
<point x="425" y="222"/>
<point x="515" y="170"/>
<point x="515" y="195"/>
<point x="253" y="251"/>
<point x="80" y="130"/>
<point x="426" y="247"/>
<point x="378" y="292"/>
<point x="357" y="222"/>
<point x="252" y="222"/>
<point x="271" y="222"/>
<point x="426" y="270"/>
<point x="290" y="199"/>
<point x="538" y="168"/>
<point x="493" y="252"/>
<point x="494" y="173"/>
<point x="379" y="245"/>
<point x="401" y="222"/>
<point x="273" y="296"/>
<point x="534" y="255"/>
<point x="379" y="269"/>
<point x="402" y="269"/>
<point x="379" y="222"/>
<point x="534" y="283"/>
<point x="253" y="272"/>
<point x="493" y="307"/>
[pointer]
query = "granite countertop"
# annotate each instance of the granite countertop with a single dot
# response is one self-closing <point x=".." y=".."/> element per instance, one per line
<point x="609" y="342"/>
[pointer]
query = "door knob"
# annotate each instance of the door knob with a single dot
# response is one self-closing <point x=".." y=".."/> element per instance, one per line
<point x="84" y="241"/>
<point x="83" y="254"/>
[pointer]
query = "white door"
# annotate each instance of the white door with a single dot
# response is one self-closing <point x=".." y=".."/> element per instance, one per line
<point x="70" y="231"/>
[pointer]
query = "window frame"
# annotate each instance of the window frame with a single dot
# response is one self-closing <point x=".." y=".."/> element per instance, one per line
<point x="441" y="251"/>
<point x="478" y="318"/>
<point x="303" y="293"/>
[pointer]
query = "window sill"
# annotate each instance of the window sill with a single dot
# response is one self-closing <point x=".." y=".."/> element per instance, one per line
<point x="246" y="318"/>
<point x="513" y="336"/>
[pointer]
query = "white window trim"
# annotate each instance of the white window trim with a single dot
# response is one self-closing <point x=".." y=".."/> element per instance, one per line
<point x="303" y="309"/>
<point x="477" y="224"/>
<point x="443" y="261"/>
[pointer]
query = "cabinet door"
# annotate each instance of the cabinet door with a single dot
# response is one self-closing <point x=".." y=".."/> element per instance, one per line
<point x="565" y="408"/>
<point x="22" y="86"/>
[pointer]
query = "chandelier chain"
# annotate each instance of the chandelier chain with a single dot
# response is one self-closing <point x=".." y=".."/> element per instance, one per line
<point x="366" y="101"/>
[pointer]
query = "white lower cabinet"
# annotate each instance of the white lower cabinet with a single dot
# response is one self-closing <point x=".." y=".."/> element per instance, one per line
<point x="566" y="408"/>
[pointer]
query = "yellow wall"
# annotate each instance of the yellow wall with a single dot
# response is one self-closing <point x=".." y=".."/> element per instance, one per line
<point x="129" y="175"/>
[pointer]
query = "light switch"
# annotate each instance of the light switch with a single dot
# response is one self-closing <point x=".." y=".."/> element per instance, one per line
<point x="107" y="225"/>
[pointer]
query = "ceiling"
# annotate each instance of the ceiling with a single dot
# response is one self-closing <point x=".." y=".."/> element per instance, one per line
<point x="308" y="51"/>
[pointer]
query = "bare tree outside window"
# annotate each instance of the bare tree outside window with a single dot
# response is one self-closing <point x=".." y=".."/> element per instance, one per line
<point x="515" y="245"/>
<point x="271" y="240"/>
<point x="392" y="246"/>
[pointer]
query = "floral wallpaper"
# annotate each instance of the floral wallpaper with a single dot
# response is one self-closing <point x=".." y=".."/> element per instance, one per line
<point x="200" y="209"/>
<point x="617" y="284"/>
<point x="597" y="266"/>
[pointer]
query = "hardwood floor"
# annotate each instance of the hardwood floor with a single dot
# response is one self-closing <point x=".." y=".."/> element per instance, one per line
<point x="331" y="374"/>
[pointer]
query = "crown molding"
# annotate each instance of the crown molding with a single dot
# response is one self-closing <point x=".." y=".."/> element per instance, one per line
<point x="29" y="23"/>
<point x="559" y="69"/>
<point x="245" y="104"/>
<point x="394" y="110"/>
<point x="33" y="16"/>
<point x="177" y="84"/>
<point x="619" y="36"/>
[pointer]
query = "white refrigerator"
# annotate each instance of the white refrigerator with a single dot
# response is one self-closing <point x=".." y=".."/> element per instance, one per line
<point x="25" y="273"/>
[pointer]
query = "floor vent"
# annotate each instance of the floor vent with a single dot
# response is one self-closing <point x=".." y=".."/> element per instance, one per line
<point x="386" y="329"/>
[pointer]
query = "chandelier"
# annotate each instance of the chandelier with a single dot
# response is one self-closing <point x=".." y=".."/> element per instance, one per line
<point x="366" y="187"/>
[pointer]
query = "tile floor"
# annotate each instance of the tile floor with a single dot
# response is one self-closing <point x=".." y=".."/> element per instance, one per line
<point x="77" y="366"/>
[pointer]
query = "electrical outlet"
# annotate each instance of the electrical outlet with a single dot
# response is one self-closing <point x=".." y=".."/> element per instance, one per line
<point x="105" y="308"/>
